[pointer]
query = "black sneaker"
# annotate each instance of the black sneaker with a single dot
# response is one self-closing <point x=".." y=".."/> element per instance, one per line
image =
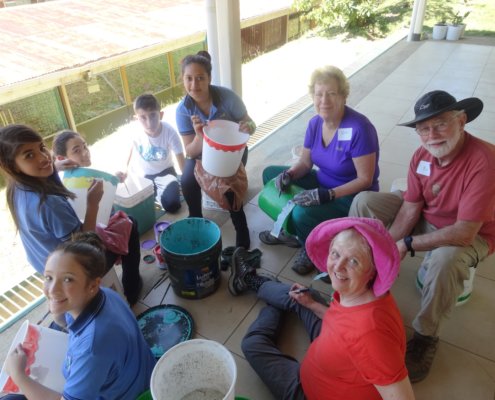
<point x="239" y="269"/>
<point x="283" y="238"/>
<point x="419" y="356"/>
<point x="253" y="257"/>
<point x="303" y="264"/>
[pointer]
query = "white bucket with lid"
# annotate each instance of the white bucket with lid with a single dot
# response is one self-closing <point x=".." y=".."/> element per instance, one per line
<point x="195" y="369"/>
<point x="223" y="147"/>
<point x="46" y="350"/>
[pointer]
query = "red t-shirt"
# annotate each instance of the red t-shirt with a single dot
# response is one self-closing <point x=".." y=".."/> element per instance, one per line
<point x="464" y="190"/>
<point x="358" y="347"/>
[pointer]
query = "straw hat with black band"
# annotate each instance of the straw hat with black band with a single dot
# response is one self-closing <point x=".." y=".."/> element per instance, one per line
<point x="437" y="102"/>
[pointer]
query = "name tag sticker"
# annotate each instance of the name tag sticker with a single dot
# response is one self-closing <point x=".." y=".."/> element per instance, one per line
<point x="424" y="168"/>
<point x="344" y="134"/>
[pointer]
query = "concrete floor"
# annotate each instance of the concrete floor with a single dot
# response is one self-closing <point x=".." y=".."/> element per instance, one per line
<point x="385" y="90"/>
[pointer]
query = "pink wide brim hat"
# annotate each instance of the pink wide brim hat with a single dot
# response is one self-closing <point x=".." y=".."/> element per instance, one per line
<point x="385" y="254"/>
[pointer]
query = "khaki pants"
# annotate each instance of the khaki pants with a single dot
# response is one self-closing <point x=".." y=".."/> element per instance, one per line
<point x="446" y="267"/>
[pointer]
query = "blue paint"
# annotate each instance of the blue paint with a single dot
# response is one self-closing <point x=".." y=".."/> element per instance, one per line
<point x="190" y="236"/>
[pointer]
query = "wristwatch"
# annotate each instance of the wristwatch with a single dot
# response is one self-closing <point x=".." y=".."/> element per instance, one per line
<point x="408" y="242"/>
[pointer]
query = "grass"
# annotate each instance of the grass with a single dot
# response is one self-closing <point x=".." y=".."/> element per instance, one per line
<point x="394" y="14"/>
<point x="479" y="22"/>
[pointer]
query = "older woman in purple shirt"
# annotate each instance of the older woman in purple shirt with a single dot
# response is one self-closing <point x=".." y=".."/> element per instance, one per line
<point x="343" y="145"/>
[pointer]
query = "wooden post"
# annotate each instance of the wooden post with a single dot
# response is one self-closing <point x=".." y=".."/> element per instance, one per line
<point x="62" y="91"/>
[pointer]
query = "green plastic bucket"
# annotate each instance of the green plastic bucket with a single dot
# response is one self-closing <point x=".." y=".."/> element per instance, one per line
<point x="145" y="396"/>
<point x="192" y="248"/>
<point x="272" y="203"/>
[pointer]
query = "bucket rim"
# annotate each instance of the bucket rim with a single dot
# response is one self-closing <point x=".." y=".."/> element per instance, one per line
<point x="185" y="220"/>
<point x="82" y="172"/>
<point x="222" y="146"/>
<point x="196" y="342"/>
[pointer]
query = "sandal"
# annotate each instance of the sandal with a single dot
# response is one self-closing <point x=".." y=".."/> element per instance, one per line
<point x="289" y="240"/>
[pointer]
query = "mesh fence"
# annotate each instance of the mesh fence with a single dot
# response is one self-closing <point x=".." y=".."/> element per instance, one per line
<point x="43" y="111"/>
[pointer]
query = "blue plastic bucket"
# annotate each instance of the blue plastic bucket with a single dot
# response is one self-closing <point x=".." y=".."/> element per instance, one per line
<point x="192" y="248"/>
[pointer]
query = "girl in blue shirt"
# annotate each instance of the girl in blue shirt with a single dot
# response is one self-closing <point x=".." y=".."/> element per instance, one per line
<point x="204" y="102"/>
<point x="38" y="202"/>
<point x="107" y="356"/>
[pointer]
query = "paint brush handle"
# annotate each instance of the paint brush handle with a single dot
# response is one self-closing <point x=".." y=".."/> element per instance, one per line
<point x="297" y="291"/>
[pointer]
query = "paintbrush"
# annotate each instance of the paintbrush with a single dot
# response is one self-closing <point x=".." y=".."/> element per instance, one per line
<point x="301" y="290"/>
<point x="319" y="276"/>
<point x="43" y="318"/>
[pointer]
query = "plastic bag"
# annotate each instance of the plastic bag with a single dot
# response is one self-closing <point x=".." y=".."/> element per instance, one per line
<point x="116" y="234"/>
<point x="216" y="187"/>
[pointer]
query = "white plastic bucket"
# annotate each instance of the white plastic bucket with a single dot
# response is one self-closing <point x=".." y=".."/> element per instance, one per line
<point x="223" y="147"/>
<point x="195" y="369"/>
<point x="46" y="349"/>
<point x="79" y="180"/>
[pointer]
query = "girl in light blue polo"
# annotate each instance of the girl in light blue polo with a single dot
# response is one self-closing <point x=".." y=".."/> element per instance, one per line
<point x="38" y="202"/>
<point x="107" y="356"/>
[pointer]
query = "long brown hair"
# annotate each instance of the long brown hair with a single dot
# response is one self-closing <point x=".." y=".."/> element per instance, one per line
<point x="11" y="138"/>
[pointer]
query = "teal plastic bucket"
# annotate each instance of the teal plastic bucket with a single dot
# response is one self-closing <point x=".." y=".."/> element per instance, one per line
<point x="192" y="248"/>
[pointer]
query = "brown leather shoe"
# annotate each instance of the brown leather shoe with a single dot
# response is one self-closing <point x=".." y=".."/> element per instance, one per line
<point x="419" y="356"/>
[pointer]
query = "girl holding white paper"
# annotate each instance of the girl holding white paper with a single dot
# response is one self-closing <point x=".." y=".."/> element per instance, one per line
<point x="107" y="356"/>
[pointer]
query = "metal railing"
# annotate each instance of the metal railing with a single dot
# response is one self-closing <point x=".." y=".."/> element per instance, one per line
<point x="20" y="300"/>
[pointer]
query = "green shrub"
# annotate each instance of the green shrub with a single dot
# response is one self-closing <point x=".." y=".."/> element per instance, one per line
<point x="350" y="15"/>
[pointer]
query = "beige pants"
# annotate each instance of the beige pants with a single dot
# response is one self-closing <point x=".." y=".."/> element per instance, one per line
<point x="446" y="267"/>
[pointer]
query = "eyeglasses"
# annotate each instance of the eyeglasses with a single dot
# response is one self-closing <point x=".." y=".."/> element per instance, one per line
<point x="440" y="126"/>
<point x="330" y="94"/>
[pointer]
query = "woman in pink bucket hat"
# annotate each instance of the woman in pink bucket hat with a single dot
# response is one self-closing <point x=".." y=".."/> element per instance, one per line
<point x="358" y="340"/>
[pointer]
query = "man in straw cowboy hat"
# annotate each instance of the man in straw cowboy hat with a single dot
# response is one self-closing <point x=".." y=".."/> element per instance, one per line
<point x="358" y="341"/>
<point x="447" y="210"/>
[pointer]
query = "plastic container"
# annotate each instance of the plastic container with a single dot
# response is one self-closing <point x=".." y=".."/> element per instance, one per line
<point x="192" y="248"/>
<point x="272" y="203"/>
<point x="46" y="351"/>
<point x="145" y="396"/>
<point x="160" y="260"/>
<point x="468" y="284"/>
<point x="209" y="204"/>
<point x="136" y="198"/>
<point x="78" y="180"/>
<point x="223" y="147"/>
<point x="159" y="227"/>
<point x="195" y="369"/>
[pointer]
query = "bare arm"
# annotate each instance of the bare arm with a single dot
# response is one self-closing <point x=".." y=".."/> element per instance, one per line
<point x="95" y="193"/>
<point x="405" y="220"/>
<point x="15" y="366"/>
<point x="306" y="300"/>
<point x="462" y="234"/>
<point x="365" y="169"/>
<point x="246" y="124"/>
<point x="193" y="143"/>
<point x="63" y="164"/>
<point x="302" y="167"/>
<point x="401" y="390"/>
<point x="180" y="160"/>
